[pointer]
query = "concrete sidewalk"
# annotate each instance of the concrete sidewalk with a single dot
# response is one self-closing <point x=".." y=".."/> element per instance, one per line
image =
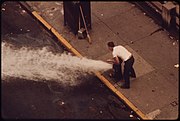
<point x="155" y="90"/>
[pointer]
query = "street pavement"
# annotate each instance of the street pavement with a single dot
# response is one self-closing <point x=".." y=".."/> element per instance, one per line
<point x="155" y="90"/>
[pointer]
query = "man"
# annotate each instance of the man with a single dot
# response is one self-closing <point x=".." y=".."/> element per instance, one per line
<point x="120" y="52"/>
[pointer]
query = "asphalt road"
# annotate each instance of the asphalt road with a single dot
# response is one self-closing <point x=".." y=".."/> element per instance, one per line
<point x="29" y="99"/>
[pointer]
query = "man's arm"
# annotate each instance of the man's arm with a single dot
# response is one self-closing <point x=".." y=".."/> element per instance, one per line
<point x="114" y="60"/>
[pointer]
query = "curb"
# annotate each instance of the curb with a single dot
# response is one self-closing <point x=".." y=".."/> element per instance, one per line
<point x="74" y="51"/>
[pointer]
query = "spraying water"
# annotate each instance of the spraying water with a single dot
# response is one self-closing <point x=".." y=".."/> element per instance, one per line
<point x="42" y="64"/>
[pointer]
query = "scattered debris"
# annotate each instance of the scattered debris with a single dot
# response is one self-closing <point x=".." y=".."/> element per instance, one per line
<point x="57" y="3"/>
<point x="176" y="65"/>
<point x="174" y="43"/>
<point x="101" y="111"/>
<point x="92" y="98"/>
<point x="131" y="116"/>
<point x="62" y="103"/>
<point x="132" y="42"/>
<point x="174" y="103"/>
<point x="23" y="11"/>
<point x="51" y="14"/>
<point x="28" y="30"/>
<point x="3" y="9"/>
<point x="11" y="33"/>
<point x="101" y="14"/>
<point x="171" y="37"/>
<point x="21" y="29"/>
<point x="138" y="118"/>
<point x="144" y="13"/>
<point x="157" y="10"/>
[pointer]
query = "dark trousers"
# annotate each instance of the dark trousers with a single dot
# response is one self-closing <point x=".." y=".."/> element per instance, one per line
<point x="117" y="70"/>
<point x="128" y="70"/>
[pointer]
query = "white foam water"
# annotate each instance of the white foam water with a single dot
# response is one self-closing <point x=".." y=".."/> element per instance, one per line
<point x="42" y="64"/>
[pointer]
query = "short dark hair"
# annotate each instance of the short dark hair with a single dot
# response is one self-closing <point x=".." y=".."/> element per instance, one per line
<point x="110" y="44"/>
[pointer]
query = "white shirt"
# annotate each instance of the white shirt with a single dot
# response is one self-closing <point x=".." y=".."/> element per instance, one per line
<point x="122" y="52"/>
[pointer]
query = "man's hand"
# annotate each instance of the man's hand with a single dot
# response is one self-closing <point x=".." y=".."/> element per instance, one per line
<point x="110" y="61"/>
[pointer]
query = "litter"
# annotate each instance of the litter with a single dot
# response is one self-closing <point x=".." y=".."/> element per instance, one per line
<point x="21" y="29"/>
<point x="57" y="3"/>
<point x="62" y="103"/>
<point x="132" y="42"/>
<point x="3" y="9"/>
<point x="28" y="30"/>
<point x="176" y="65"/>
<point x="138" y="118"/>
<point x="131" y="115"/>
<point x="144" y="13"/>
<point x="23" y="11"/>
<point x="51" y="14"/>
<point x="101" y="14"/>
<point x="100" y="111"/>
<point x="171" y="37"/>
<point x="92" y="98"/>
<point x="174" y="43"/>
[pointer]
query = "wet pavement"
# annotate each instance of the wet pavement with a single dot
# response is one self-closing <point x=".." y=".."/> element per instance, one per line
<point x="29" y="99"/>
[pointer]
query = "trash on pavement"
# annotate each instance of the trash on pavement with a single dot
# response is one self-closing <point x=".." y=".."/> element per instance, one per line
<point x="171" y="37"/>
<point x="176" y="65"/>
<point x="62" y="103"/>
<point x="23" y="11"/>
<point x="131" y="115"/>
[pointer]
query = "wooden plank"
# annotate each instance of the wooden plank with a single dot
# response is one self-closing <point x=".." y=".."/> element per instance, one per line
<point x="47" y="25"/>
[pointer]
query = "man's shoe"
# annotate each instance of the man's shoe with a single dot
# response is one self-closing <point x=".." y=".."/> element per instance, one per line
<point x="125" y="87"/>
<point x="133" y="76"/>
